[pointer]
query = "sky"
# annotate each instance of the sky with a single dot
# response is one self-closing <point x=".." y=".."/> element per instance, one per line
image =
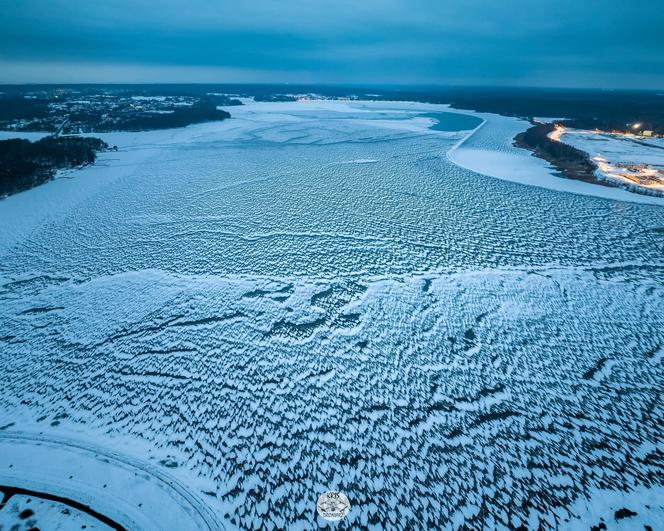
<point x="561" y="43"/>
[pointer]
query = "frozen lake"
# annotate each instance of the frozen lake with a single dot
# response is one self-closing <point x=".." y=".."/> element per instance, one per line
<point x="311" y="297"/>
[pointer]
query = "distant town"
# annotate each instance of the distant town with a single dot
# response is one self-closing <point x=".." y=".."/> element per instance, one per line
<point x="69" y="110"/>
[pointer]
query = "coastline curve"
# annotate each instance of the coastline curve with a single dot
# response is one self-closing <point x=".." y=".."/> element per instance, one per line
<point x="488" y="150"/>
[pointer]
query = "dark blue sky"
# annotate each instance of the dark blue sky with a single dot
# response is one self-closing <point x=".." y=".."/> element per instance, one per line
<point x="574" y="43"/>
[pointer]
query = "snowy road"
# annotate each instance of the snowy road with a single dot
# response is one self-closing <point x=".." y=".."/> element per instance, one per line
<point x="130" y="492"/>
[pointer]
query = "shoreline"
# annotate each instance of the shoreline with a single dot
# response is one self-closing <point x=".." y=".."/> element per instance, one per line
<point x="489" y="150"/>
<point x="573" y="162"/>
<point x="566" y="169"/>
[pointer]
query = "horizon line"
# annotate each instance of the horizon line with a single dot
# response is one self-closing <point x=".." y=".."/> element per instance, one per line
<point x="395" y="87"/>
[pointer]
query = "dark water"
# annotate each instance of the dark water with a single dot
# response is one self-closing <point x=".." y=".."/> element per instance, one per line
<point x="451" y="121"/>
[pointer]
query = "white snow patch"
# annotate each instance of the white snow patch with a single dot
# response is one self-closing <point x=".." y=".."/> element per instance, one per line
<point x="604" y="506"/>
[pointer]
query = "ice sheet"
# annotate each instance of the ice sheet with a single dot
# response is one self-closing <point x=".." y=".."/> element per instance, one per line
<point x="268" y="315"/>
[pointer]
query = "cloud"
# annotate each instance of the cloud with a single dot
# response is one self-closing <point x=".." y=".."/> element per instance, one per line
<point x="398" y="41"/>
<point x="95" y="72"/>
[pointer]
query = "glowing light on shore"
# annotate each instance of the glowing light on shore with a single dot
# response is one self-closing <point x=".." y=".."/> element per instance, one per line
<point x="557" y="133"/>
<point x="609" y="166"/>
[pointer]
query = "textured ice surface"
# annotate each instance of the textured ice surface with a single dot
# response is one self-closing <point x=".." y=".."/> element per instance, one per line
<point x="312" y="297"/>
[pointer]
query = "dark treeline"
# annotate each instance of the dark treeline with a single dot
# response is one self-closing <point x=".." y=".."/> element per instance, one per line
<point x="570" y="161"/>
<point x="25" y="164"/>
<point x="274" y="97"/>
<point x="204" y="111"/>
<point x="17" y="107"/>
<point x="537" y="137"/>
<point x="583" y="109"/>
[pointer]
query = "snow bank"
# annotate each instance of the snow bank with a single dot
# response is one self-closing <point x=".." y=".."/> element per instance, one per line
<point x="133" y="493"/>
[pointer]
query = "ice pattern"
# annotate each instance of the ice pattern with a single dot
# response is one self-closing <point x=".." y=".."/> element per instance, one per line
<point x="312" y="298"/>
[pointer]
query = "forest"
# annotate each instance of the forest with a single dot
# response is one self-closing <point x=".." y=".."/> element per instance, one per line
<point x="25" y="164"/>
<point x="572" y="162"/>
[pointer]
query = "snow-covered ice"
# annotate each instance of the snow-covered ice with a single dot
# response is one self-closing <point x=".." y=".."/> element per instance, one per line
<point x="312" y="296"/>
<point x="134" y="494"/>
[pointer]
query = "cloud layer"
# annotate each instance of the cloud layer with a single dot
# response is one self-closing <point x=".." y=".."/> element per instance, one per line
<point x="607" y="43"/>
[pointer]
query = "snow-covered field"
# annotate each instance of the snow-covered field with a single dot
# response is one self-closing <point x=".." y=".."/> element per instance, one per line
<point x="618" y="148"/>
<point x="311" y="297"/>
<point x="24" y="512"/>
<point x="611" y="152"/>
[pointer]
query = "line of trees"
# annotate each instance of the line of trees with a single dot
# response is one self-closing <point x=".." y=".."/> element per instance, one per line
<point x="537" y="138"/>
<point x="572" y="162"/>
<point x="25" y="164"/>
<point x="203" y="111"/>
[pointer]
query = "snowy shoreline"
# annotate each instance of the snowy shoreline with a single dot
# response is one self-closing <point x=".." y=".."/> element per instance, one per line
<point x="613" y="155"/>
<point x="488" y="150"/>
<point x="104" y="480"/>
